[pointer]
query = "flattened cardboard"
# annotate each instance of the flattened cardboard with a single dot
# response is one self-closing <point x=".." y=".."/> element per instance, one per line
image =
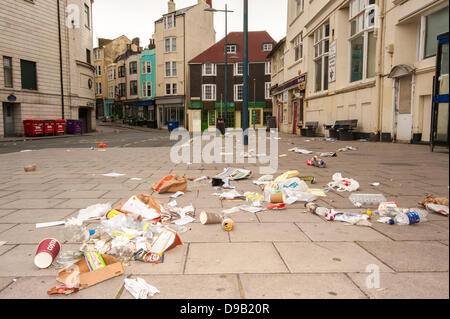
<point x="114" y="268"/>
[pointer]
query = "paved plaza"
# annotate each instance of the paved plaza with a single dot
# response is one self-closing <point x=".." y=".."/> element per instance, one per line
<point x="272" y="254"/>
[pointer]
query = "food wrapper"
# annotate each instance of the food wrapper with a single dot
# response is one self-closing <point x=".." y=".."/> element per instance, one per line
<point x="94" y="260"/>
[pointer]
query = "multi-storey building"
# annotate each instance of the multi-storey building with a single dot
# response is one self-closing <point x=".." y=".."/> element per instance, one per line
<point x="47" y="71"/>
<point x="179" y="36"/>
<point x="104" y="55"/>
<point x="147" y="106"/>
<point x="368" y="60"/>
<point x="207" y="82"/>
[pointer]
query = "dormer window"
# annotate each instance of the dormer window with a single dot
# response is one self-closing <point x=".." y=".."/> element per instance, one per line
<point x="169" y="22"/>
<point x="267" y="47"/>
<point x="231" y="48"/>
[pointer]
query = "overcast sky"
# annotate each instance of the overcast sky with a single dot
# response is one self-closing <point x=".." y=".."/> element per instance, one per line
<point x="135" y="18"/>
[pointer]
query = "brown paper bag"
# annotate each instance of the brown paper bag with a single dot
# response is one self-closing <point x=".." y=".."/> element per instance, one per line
<point x="171" y="184"/>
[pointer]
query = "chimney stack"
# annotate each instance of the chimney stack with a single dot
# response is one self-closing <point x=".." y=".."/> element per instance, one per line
<point x="209" y="3"/>
<point x="136" y="41"/>
<point x="171" y="6"/>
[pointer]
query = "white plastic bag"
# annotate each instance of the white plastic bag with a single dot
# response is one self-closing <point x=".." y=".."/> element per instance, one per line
<point x="343" y="184"/>
<point x="94" y="212"/>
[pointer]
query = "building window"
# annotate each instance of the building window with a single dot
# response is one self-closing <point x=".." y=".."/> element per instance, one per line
<point x="169" y="22"/>
<point x="362" y="39"/>
<point x="268" y="70"/>
<point x="133" y="88"/>
<point x="97" y="54"/>
<point x="267" y="47"/>
<point x="171" y="69"/>
<point x="147" y="89"/>
<point x="88" y="56"/>
<point x="209" y="92"/>
<point x="209" y="69"/>
<point x="133" y="67"/>
<point x="298" y="48"/>
<point x="98" y="70"/>
<point x="321" y="49"/>
<point x="266" y="114"/>
<point x="111" y="74"/>
<point x="87" y="16"/>
<point x="122" y="71"/>
<point x="239" y="68"/>
<point x="122" y="89"/>
<point x="238" y="92"/>
<point x="111" y="92"/>
<point x="299" y="6"/>
<point x="256" y="117"/>
<point x="99" y="90"/>
<point x="7" y="71"/>
<point x="435" y="24"/>
<point x="146" y="67"/>
<point x="28" y="74"/>
<point x="281" y="61"/>
<point x="231" y="48"/>
<point x="170" y="44"/>
<point x="267" y="90"/>
<point x="171" y="89"/>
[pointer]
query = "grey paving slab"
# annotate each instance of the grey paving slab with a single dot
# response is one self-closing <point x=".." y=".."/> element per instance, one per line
<point x="222" y="258"/>
<point x="4" y="193"/>
<point x="337" y="231"/>
<point x="299" y="286"/>
<point x="70" y="186"/>
<point x="288" y="216"/>
<point x="423" y="231"/>
<point x="33" y="203"/>
<point x="174" y="261"/>
<point x="80" y="194"/>
<point x="327" y="257"/>
<point x="85" y="202"/>
<point x="28" y="234"/>
<point x="6" y="226"/>
<point x="430" y="285"/>
<point x="192" y="287"/>
<point x="205" y="234"/>
<point x="441" y="223"/>
<point x="5" y="212"/>
<point x="32" y="195"/>
<point x="36" y="215"/>
<point x="262" y="232"/>
<point x="5" y="281"/>
<point x="411" y="256"/>
<point x="4" y="248"/>
<point x="37" y="287"/>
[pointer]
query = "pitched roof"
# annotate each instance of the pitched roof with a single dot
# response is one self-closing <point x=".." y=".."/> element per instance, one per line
<point x="256" y="39"/>
<point x="177" y="12"/>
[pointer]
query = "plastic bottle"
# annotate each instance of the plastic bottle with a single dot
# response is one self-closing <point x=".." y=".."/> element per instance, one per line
<point x="410" y="217"/>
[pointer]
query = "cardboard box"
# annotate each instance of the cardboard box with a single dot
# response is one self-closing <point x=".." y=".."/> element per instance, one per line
<point x="87" y="278"/>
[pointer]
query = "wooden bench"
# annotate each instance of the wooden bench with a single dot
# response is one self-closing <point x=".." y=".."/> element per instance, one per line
<point x="309" y="129"/>
<point x="342" y="129"/>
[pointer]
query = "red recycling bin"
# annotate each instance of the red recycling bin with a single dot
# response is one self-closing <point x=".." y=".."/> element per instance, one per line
<point x="60" y="126"/>
<point x="49" y="127"/>
<point x="33" y="127"/>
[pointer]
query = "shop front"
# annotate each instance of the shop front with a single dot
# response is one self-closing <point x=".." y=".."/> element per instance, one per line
<point x="170" y="109"/>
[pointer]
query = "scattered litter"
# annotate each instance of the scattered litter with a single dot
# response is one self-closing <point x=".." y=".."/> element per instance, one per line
<point x="386" y="220"/>
<point x="375" y="184"/>
<point x="347" y="148"/>
<point x="135" y="179"/>
<point x="309" y="179"/>
<point x="171" y="184"/>
<point x="360" y="200"/>
<point x="317" y="191"/>
<point x="283" y="155"/>
<point x="31" y="168"/>
<point x="430" y="199"/>
<point x="46" y="253"/>
<point x="50" y="224"/>
<point x="233" y="194"/>
<point x="317" y="162"/>
<point x="2" y="243"/>
<point x="113" y="175"/>
<point x="93" y="212"/>
<point x="276" y="206"/>
<point x="235" y="174"/>
<point x="25" y="151"/>
<point x="342" y="184"/>
<point x="177" y="194"/>
<point x="300" y="151"/>
<point x="139" y="288"/>
<point x="210" y="218"/>
<point x="228" y="224"/>
<point x="172" y="203"/>
<point x="327" y="154"/>
<point x="285" y="176"/>
<point x="255" y="198"/>
<point x="62" y="290"/>
<point x="440" y="209"/>
<point x="184" y="221"/>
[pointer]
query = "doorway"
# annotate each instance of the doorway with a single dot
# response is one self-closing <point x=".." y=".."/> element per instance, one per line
<point x="84" y="115"/>
<point x="8" y="119"/>
<point x="403" y="123"/>
<point x="294" y="118"/>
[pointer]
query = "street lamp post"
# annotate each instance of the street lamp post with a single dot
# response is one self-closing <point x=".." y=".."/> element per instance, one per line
<point x="226" y="57"/>
<point x="245" y="123"/>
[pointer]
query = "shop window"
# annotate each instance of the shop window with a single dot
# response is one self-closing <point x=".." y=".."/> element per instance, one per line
<point x="435" y="24"/>
<point x="212" y="118"/>
<point x="321" y="50"/>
